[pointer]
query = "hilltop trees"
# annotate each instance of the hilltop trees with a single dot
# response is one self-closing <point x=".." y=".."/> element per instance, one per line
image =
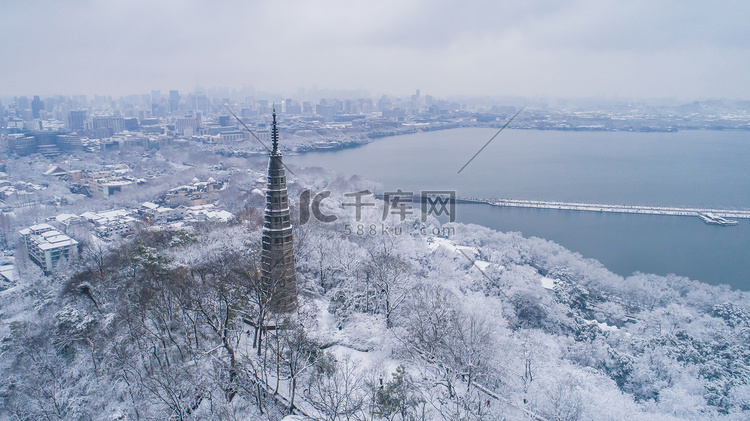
<point x="175" y="324"/>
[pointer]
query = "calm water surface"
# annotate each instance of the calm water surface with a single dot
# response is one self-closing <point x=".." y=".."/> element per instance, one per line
<point x="687" y="168"/>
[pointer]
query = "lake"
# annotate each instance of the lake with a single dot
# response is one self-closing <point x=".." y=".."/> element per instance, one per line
<point x="707" y="169"/>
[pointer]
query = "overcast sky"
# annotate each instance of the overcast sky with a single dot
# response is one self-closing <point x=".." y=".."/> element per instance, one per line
<point x="531" y="48"/>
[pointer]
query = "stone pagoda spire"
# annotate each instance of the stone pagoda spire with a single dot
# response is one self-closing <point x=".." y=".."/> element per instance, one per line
<point x="277" y="258"/>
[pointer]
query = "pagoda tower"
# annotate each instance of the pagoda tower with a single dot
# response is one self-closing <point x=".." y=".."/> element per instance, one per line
<point x="277" y="257"/>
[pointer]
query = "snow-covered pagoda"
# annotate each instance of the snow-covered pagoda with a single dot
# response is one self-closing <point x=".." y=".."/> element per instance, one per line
<point x="277" y="261"/>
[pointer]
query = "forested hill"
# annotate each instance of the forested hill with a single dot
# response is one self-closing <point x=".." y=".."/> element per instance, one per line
<point x="394" y="323"/>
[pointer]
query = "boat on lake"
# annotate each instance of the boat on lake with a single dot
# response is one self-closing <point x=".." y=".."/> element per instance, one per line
<point x="712" y="219"/>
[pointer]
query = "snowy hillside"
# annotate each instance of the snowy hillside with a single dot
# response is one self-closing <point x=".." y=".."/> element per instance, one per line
<point x="473" y="325"/>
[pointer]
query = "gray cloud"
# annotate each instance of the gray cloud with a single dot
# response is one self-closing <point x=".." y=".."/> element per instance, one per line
<point x="684" y="49"/>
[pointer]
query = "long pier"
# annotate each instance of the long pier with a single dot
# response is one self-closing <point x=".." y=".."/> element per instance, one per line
<point x="593" y="207"/>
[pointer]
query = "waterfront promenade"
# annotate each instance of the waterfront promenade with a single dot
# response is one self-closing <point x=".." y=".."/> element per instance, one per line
<point x="593" y="207"/>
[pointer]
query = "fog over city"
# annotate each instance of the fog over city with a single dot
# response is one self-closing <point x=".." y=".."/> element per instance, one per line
<point x="604" y="49"/>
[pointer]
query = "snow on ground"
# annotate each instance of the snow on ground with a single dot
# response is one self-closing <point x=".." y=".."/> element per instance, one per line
<point x="360" y="331"/>
<point x="607" y="328"/>
<point x="482" y="265"/>
<point x="435" y="243"/>
<point x="10" y="291"/>
<point x="548" y="283"/>
<point x="467" y="251"/>
<point x="603" y="326"/>
<point x="362" y="338"/>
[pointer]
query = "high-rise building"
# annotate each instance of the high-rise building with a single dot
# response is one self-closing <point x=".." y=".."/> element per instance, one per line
<point x="76" y="120"/>
<point x="327" y="112"/>
<point x="263" y="107"/>
<point x="385" y="104"/>
<point x="37" y="105"/>
<point x="174" y="101"/>
<point x="131" y="124"/>
<point x="22" y="103"/>
<point x="186" y="126"/>
<point x="158" y="109"/>
<point x="199" y="102"/>
<point x="69" y="142"/>
<point x="277" y="257"/>
<point x="112" y="124"/>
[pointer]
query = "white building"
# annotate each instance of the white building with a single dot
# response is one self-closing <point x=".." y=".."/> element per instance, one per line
<point x="208" y="213"/>
<point x="46" y="245"/>
<point x="8" y="274"/>
<point x="233" y="136"/>
<point x="110" y="187"/>
<point x="117" y="222"/>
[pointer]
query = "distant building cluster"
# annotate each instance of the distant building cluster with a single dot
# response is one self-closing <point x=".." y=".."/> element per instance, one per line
<point x="184" y="214"/>
<point x="118" y="222"/>
<point x="47" y="243"/>
<point x="19" y="194"/>
<point x="105" y="182"/>
<point x="193" y="194"/>
<point x="64" y="124"/>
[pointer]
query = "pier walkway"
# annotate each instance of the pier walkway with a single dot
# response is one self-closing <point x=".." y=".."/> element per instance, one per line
<point x="592" y="207"/>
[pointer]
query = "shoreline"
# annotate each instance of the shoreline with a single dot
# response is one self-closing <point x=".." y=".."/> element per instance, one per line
<point x="374" y="135"/>
<point x="365" y="138"/>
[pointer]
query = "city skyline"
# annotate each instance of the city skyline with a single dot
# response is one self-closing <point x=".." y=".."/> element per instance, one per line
<point x="579" y="49"/>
